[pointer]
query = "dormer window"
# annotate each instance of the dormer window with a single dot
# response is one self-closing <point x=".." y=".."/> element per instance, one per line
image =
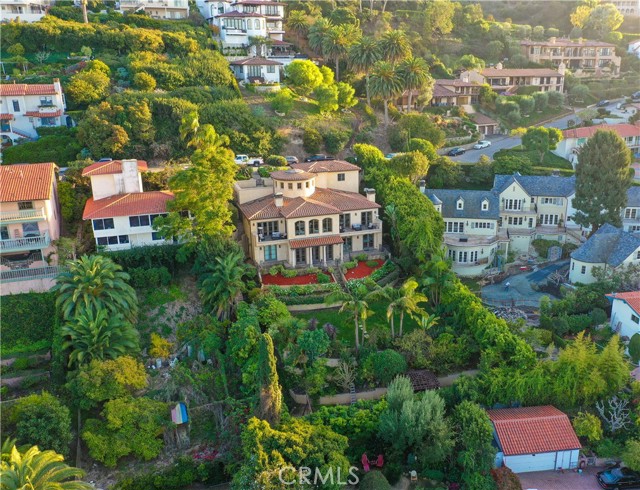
<point x="460" y="204"/>
<point x="485" y="205"/>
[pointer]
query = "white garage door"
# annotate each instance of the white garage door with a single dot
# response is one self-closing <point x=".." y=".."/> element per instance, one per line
<point x="529" y="462"/>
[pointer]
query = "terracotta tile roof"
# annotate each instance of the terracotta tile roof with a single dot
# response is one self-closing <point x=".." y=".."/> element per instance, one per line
<point x="632" y="299"/>
<point x="293" y="174"/>
<point x="6" y="117"/>
<point x="520" y="72"/>
<point x="57" y="113"/>
<point x="26" y="182"/>
<point x="321" y="203"/>
<point x="130" y="204"/>
<point x="315" y="242"/>
<point x="110" y="167"/>
<point x="256" y="61"/>
<point x="482" y="120"/>
<point x="442" y="91"/>
<point x="455" y="82"/>
<point x="622" y="130"/>
<point x="326" y="166"/>
<point x="8" y="89"/>
<point x="533" y="430"/>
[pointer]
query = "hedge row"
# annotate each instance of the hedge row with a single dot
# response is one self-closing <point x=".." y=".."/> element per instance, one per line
<point x="27" y="321"/>
<point x="147" y="257"/>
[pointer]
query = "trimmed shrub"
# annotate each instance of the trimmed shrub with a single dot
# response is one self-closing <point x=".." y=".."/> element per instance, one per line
<point x="147" y="257"/>
<point x="276" y="161"/>
<point x="153" y="277"/>
<point x="351" y="264"/>
<point x="374" y="480"/>
<point x="387" y="364"/>
<point x="289" y="273"/>
<point x="372" y="263"/>
<point x="361" y="257"/>
<point x="323" y="278"/>
<point x="505" y="479"/>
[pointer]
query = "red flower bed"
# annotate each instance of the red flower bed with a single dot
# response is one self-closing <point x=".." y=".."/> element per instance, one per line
<point x="280" y="280"/>
<point x="362" y="270"/>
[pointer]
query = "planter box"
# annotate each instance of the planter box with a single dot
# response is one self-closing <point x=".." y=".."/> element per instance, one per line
<point x="312" y="307"/>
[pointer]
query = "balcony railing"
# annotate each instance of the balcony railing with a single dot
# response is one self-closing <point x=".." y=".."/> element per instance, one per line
<point x="268" y="237"/>
<point x="360" y="228"/>
<point x="31" y="274"/>
<point x="27" y="243"/>
<point x="22" y="215"/>
<point x="525" y="210"/>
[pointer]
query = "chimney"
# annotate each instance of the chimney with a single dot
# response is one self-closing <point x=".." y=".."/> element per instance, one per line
<point x="423" y="186"/>
<point x="130" y="176"/>
<point x="371" y="194"/>
<point x="580" y="40"/>
<point x="279" y="200"/>
<point x="499" y="66"/>
<point x="562" y="68"/>
<point x="552" y="40"/>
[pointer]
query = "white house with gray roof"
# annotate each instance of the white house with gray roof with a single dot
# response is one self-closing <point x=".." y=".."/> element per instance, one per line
<point x="471" y="227"/>
<point x="609" y="247"/>
<point x="631" y="213"/>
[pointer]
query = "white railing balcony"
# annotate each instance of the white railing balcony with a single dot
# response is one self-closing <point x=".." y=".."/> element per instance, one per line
<point x="355" y="228"/>
<point x="24" y="215"/>
<point x="23" y="244"/>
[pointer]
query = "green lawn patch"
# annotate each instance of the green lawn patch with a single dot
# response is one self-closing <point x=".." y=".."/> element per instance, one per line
<point x="551" y="160"/>
<point x="344" y="321"/>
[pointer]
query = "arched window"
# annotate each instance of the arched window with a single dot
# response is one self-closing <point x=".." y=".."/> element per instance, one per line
<point x="257" y="23"/>
<point x="314" y="226"/>
<point x="327" y="225"/>
<point x="299" y="226"/>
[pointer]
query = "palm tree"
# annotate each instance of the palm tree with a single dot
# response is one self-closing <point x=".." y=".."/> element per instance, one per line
<point x="298" y="22"/>
<point x="98" y="334"/>
<point x="223" y="284"/>
<point x="39" y="470"/>
<point x="395" y="46"/>
<point x="95" y="282"/>
<point x="362" y="56"/>
<point x="428" y="321"/>
<point x="85" y="16"/>
<point x="317" y="32"/>
<point x="406" y="300"/>
<point x="356" y="302"/>
<point x="336" y="43"/>
<point x="386" y="84"/>
<point x="436" y="277"/>
<point x="415" y="75"/>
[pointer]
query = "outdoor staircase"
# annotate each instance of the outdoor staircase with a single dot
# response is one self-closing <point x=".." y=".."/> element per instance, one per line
<point x="352" y="392"/>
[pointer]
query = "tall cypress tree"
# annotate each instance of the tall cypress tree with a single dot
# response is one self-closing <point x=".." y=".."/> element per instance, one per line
<point x="602" y="178"/>
<point x="270" y="392"/>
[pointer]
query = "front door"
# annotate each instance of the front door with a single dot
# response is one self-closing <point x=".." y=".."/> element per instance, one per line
<point x="301" y="256"/>
<point x="316" y="254"/>
<point x="328" y="252"/>
<point x="348" y="244"/>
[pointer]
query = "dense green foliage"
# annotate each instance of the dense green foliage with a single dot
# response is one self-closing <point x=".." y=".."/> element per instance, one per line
<point x="26" y="319"/>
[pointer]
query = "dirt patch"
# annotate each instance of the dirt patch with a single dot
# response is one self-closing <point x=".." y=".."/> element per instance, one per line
<point x="362" y="270"/>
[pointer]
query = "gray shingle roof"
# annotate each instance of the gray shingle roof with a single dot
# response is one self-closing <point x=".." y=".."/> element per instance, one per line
<point x="472" y="203"/>
<point x="609" y="245"/>
<point x="633" y="197"/>
<point x="538" y="185"/>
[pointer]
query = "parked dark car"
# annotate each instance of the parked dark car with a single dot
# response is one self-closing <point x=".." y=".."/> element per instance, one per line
<point x="617" y="478"/>
<point x="319" y="158"/>
<point x="456" y="151"/>
<point x="635" y="96"/>
<point x="602" y="103"/>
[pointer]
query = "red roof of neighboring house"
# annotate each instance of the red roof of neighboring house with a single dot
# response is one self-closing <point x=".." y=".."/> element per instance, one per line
<point x="533" y="430"/>
<point x="632" y="299"/>
<point x="132" y="204"/>
<point x="57" y="113"/>
<point x="27" y="89"/>
<point x="26" y="182"/>
<point x="562" y="42"/>
<point x="326" y="166"/>
<point x="110" y="167"/>
<point x="256" y="61"/>
<point x="483" y="120"/>
<point x="293" y="174"/>
<point x="316" y="242"/>
<point x="622" y="130"/>
<point x="6" y="117"/>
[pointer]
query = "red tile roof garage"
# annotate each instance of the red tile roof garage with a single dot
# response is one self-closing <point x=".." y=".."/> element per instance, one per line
<point x="533" y="430"/>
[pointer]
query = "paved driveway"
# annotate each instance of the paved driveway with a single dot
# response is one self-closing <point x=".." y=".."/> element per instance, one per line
<point x="554" y="480"/>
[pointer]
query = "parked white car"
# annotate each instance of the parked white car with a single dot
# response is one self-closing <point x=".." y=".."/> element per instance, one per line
<point x="242" y="159"/>
<point x="482" y="144"/>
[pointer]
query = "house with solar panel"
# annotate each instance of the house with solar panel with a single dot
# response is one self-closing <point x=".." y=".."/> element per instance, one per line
<point x="120" y="211"/>
<point x="309" y="215"/>
<point x="608" y="248"/>
<point x="25" y="107"/>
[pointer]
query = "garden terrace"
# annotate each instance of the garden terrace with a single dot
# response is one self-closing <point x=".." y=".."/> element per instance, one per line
<point x="363" y="269"/>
